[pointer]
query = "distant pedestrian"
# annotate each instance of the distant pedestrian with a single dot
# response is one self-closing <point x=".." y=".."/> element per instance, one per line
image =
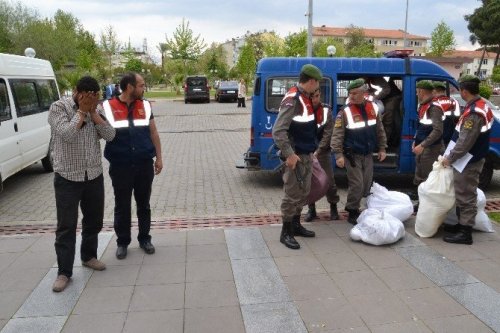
<point x="242" y="93"/>
<point x="77" y="124"/>
<point x="131" y="155"/>
<point x="116" y="90"/>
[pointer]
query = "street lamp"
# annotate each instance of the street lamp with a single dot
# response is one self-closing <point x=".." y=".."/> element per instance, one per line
<point x="331" y="49"/>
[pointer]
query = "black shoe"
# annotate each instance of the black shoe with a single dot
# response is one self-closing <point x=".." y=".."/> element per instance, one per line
<point x="287" y="236"/>
<point x="311" y="213"/>
<point x="463" y="236"/>
<point x="451" y="228"/>
<point x="121" y="252"/>
<point x="334" y="213"/>
<point x="299" y="230"/>
<point x="353" y="216"/>
<point x="147" y="247"/>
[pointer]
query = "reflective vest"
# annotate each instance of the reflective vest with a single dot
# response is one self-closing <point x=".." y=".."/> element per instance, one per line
<point x="361" y="127"/>
<point x="451" y="111"/>
<point x="132" y="143"/>
<point x="304" y="126"/>
<point x="424" y="126"/>
<point x="480" y="148"/>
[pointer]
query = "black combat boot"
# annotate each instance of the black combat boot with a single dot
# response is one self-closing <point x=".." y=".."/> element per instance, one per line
<point x="299" y="230"/>
<point x="353" y="216"/>
<point x="463" y="236"/>
<point x="334" y="213"/>
<point x="287" y="235"/>
<point x="453" y="228"/>
<point x="311" y="213"/>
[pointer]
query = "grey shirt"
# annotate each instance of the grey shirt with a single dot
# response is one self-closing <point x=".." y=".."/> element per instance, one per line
<point x="76" y="152"/>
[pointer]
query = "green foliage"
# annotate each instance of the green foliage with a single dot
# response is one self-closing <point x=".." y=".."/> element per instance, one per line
<point x="357" y="45"/>
<point x="296" y="44"/>
<point x="495" y="77"/>
<point x="485" y="90"/>
<point x="273" y="44"/>
<point x="246" y="62"/>
<point x="109" y="45"/>
<point x="133" y="65"/>
<point x="442" y="39"/>
<point x="213" y="63"/>
<point x="320" y="46"/>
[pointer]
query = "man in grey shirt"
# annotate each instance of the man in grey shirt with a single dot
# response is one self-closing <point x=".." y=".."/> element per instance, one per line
<point x="77" y="125"/>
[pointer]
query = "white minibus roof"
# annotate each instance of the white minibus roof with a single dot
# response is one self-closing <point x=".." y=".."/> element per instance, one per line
<point x="20" y="66"/>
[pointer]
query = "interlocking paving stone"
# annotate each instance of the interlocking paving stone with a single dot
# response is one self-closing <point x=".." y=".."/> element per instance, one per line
<point x="481" y="300"/>
<point x="272" y="318"/>
<point x="35" y="325"/>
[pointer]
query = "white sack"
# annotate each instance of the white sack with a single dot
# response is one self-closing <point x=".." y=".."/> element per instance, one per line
<point x="436" y="197"/>
<point x="482" y="220"/>
<point x="377" y="228"/>
<point x="395" y="203"/>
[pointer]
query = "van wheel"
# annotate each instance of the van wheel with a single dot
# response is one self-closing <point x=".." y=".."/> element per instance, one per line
<point x="47" y="163"/>
<point x="486" y="175"/>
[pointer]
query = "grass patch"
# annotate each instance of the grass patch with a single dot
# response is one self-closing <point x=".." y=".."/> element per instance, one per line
<point x="495" y="216"/>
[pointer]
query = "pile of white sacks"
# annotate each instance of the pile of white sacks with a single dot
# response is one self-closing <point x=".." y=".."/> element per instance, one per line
<point x="382" y="222"/>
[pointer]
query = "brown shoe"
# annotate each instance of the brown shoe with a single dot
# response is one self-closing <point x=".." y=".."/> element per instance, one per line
<point x="95" y="264"/>
<point x="60" y="283"/>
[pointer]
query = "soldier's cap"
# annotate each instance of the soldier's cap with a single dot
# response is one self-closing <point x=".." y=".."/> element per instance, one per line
<point x="439" y="85"/>
<point x="312" y="71"/>
<point x="427" y="85"/>
<point x="469" y="78"/>
<point x="355" y="84"/>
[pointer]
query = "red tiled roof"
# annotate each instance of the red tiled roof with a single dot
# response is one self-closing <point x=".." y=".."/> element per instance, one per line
<point x="470" y="54"/>
<point x="373" y="33"/>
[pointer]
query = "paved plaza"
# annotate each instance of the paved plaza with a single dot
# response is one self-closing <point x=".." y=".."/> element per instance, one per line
<point x="238" y="279"/>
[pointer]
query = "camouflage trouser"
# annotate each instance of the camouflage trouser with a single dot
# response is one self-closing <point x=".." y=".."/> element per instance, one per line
<point x="466" y="191"/>
<point x="359" y="179"/>
<point x="424" y="161"/>
<point x="325" y="160"/>
<point x="297" y="184"/>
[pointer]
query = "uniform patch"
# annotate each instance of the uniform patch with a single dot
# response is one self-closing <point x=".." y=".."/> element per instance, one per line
<point x="357" y="118"/>
<point x="468" y="124"/>
<point x="338" y="123"/>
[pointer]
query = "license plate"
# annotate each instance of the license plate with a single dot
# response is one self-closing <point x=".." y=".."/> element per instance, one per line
<point x="196" y="89"/>
<point x="231" y="91"/>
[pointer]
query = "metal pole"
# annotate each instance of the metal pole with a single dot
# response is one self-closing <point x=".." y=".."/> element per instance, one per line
<point x="406" y="24"/>
<point x="309" y="28"/>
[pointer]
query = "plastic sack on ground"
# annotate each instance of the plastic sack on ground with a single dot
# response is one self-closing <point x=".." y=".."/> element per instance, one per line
<point x="377" y="228"/>
<point x="436" y="197"/>
<point x="482" y="220"/>
<point x="319" y="183"/>
<point x="395" y="203"/>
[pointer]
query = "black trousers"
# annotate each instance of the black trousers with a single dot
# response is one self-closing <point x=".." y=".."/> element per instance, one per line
<point x="136" y="179"/>
<point x="89" y="195"/>
<point x="241" y="102"/>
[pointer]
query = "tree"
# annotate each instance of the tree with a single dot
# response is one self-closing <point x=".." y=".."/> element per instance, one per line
<point x="495" y="77"/>
<point x="296" y="44"/>
<point x="109" y="44"/>
<point x="246" y="62"/>
<point x="484" y="27"/>
<point x="357" y="45"/>
<point x="320" y="46"/>
<point x="13" y="20"/>
<point x="184" y="46"/>
<point x="442" y="39"/>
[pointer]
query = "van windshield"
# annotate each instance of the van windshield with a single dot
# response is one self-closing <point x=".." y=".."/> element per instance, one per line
<point x="196" y="81"/>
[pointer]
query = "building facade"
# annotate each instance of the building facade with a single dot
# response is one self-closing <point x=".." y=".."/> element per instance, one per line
<point x="474" y="57"/>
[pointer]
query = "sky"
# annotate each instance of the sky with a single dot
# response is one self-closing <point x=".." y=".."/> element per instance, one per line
<point x="221" y="20"/>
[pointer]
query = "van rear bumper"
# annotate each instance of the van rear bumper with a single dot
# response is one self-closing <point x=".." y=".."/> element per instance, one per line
<point x="249" y="161"/>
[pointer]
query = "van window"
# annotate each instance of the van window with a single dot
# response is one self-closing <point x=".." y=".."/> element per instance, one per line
<point x="196" y="81"/>
<point x="33" y="96"/>
<point x="5" y="113"/>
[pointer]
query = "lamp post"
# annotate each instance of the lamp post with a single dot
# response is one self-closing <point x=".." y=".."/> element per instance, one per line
<point x="406" y="25"/>
<point x="331" y="49"/>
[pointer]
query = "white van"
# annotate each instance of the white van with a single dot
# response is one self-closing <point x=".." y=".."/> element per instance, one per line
<point x="27" y="89"/>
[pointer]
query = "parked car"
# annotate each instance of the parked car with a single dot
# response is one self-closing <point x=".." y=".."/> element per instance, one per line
<point x="227" y="91"/>
<point x="196" y="89"/>
<point x="494" y="108"/>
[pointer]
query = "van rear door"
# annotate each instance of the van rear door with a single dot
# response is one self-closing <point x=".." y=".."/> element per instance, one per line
<point x="10" y="148"/>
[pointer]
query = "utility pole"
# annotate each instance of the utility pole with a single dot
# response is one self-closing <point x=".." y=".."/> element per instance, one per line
<point x="309" y="15"/>
<point x="406" y="24"/>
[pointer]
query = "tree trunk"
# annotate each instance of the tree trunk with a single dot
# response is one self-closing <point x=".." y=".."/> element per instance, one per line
<point x="481" y="63"/>
<point x="498" y="54"/>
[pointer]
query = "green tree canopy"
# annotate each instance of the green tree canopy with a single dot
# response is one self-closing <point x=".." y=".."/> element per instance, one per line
<point x="296" y="44"/>
<point x="110" y="45"/>
<point x="442" y="39"/>
<point x="246" y="62"/>
<point x="320" y="46"/>
<point x="357" y="45"/>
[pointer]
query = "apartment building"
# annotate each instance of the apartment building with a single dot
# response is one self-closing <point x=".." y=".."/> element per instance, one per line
<point x="474" y="58"/>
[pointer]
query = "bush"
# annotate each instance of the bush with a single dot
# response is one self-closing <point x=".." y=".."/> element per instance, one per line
<point x="485" y="90"/>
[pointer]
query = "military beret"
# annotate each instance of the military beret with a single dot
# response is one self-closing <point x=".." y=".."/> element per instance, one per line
<point x="469" y="78"/>
<point x="355" y="84"/>
<point x="312" y="71"/>
<point x="439" y="85"/>
<point x="427" y="85"/>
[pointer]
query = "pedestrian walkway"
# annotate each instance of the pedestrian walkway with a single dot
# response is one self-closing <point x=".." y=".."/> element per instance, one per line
<point x="242" y="279"/>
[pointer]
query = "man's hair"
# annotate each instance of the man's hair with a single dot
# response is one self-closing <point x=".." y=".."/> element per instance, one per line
<point x="87" y="83"/>
<point x="472" y="87"/>
<point x="303" y="78"/>
<point x="129" y="78"/>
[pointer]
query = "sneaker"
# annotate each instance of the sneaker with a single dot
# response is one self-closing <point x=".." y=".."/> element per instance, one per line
<point x="95" y="264"/>
<point x="147" y="247"/>
<point x="60" y="283"/>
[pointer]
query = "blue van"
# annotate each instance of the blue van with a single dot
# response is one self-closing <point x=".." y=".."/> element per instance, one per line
<point x="274" y="76"/>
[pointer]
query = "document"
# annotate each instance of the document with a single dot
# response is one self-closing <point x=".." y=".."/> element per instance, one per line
<point x="459" y="164"/>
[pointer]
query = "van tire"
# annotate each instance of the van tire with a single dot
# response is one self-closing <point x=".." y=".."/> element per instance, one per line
<point x="486" y="175"/>
<point x="47" y="163"/>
